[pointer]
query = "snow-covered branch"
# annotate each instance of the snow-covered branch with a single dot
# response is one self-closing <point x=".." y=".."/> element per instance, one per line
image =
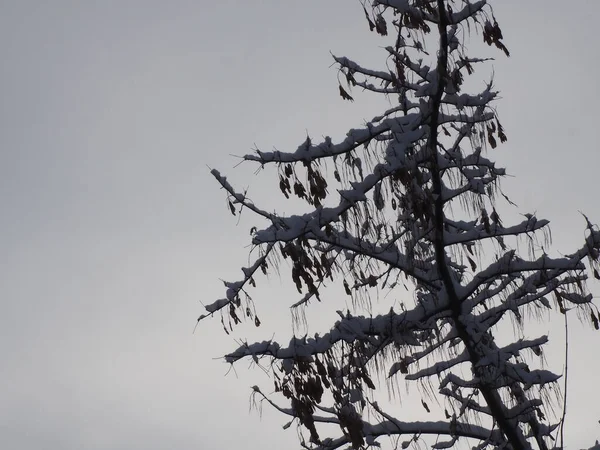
<point x="416" y="200"/>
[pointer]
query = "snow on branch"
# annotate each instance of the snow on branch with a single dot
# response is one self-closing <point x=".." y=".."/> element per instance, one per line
<point x="510" y="263"/>
<point x="438" y="367"/>
<point x="400" y="328"/>
<point x="308" y="152"/>
<point x="397" y="428"/>
<point x="483" y="231"/>
<point x="415" y="201"/>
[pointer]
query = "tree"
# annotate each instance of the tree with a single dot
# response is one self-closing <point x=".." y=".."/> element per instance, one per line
<point x="412" y="200"/>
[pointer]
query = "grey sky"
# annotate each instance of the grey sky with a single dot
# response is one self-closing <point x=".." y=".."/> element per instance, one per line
<point x="112" y="229"/>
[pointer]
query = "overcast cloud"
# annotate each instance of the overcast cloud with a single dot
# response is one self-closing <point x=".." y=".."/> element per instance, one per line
<point x="112" y="230"/>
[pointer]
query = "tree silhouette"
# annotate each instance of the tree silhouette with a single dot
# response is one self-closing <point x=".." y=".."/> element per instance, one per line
<point x="410" y="199"/>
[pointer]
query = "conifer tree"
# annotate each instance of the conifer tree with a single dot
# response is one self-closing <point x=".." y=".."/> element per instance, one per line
<point x="412" y="200"/>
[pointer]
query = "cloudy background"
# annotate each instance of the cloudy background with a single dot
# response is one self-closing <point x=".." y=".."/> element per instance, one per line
<point x="112" y="231"/>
